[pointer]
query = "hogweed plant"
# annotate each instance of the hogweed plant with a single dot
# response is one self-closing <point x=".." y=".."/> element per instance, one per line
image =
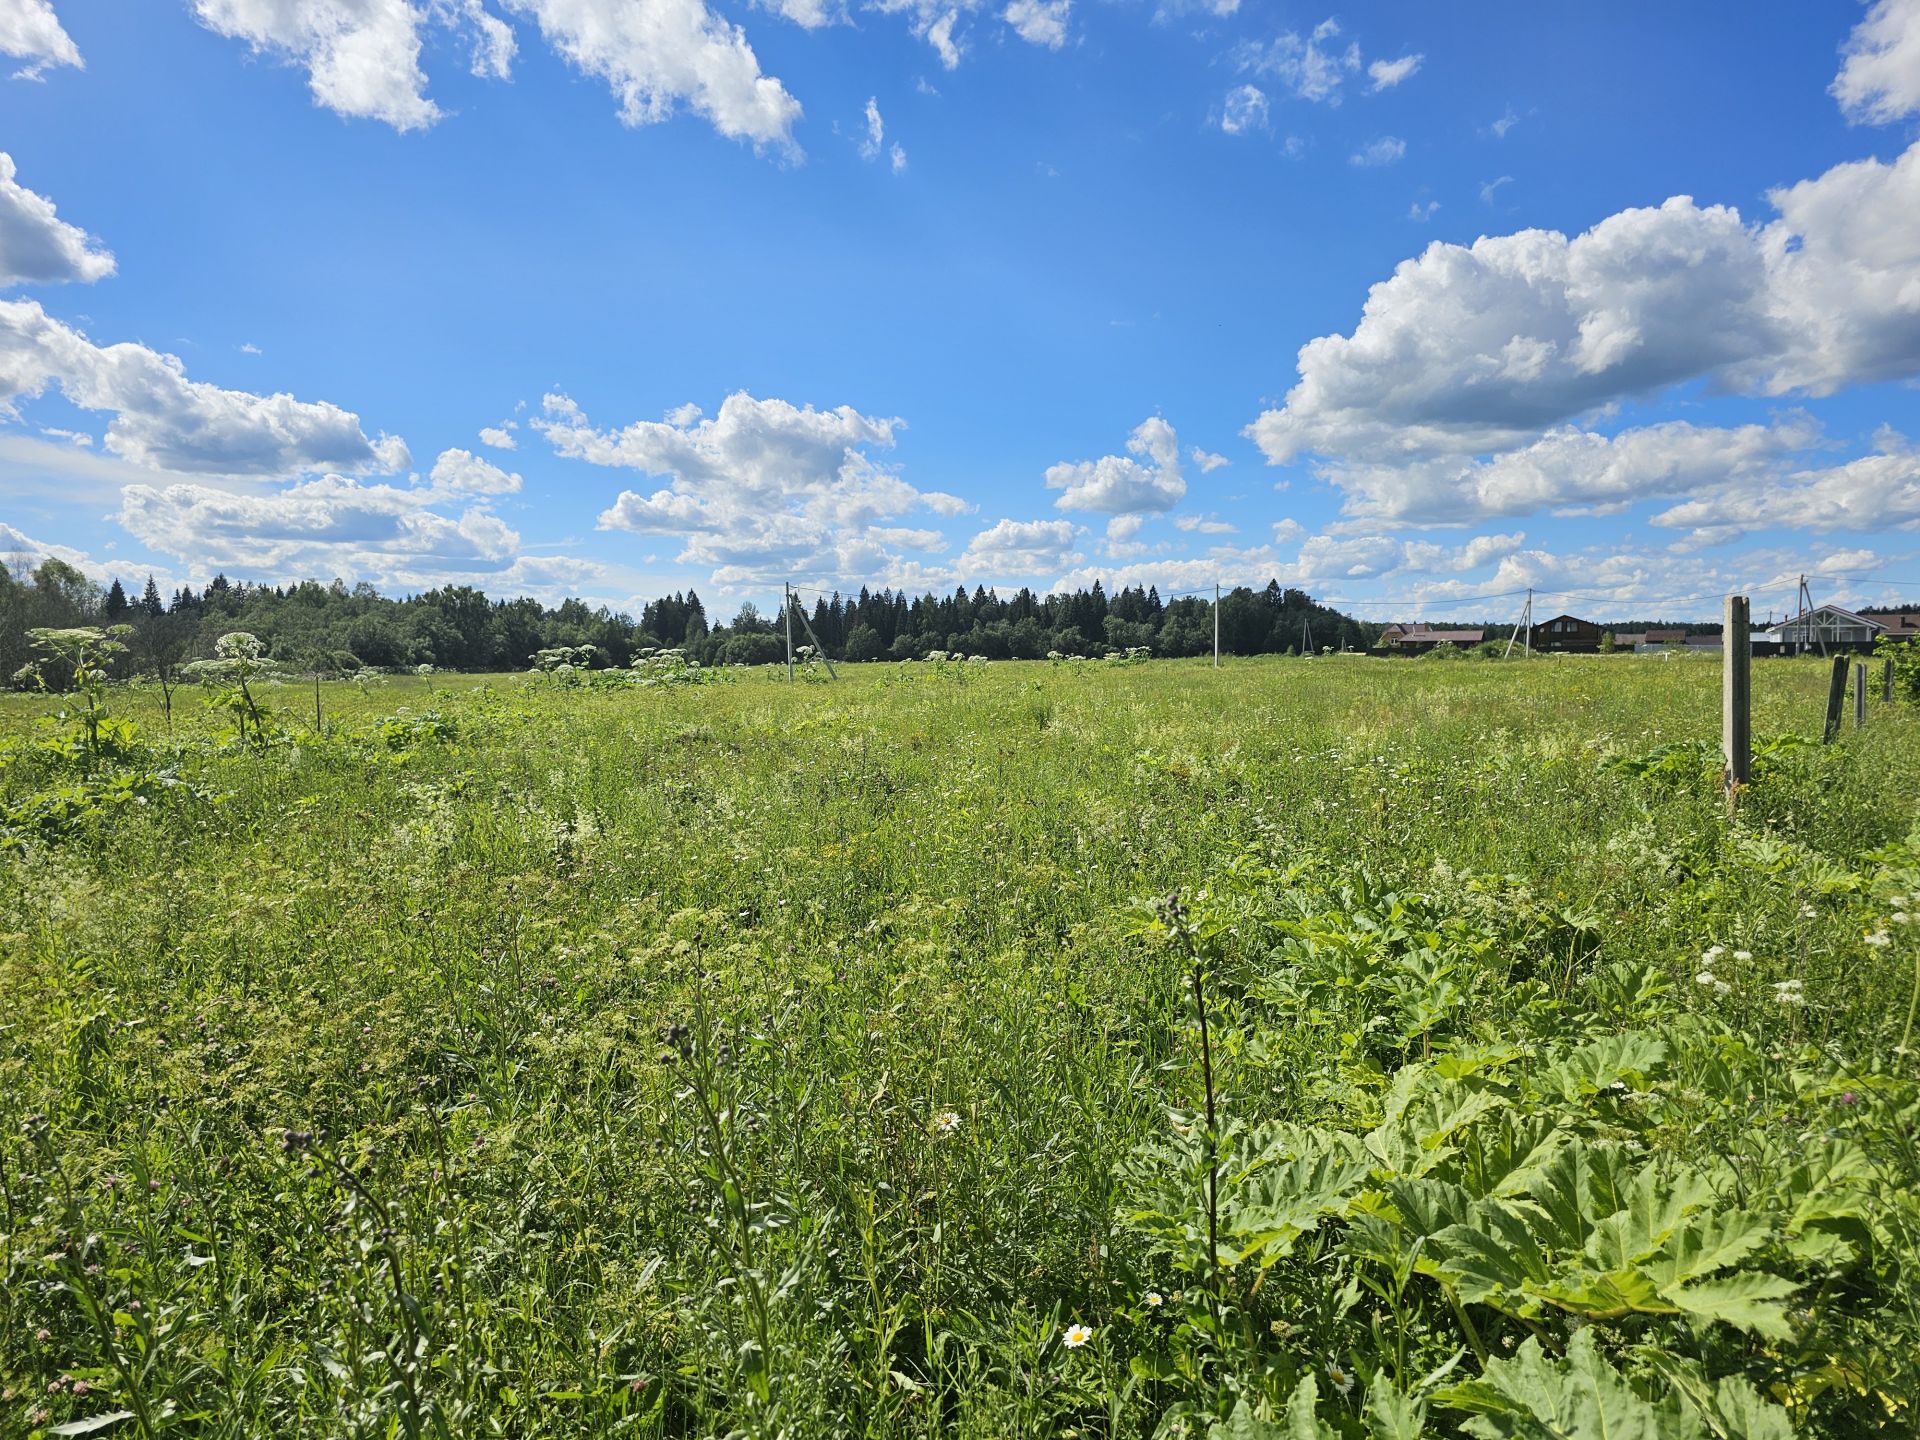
<point x="79" y="661"/>
<point x="239" y="662"/>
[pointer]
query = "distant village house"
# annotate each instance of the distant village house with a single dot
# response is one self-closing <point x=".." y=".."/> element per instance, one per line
<point x="1417" y="639"/>
<point x="1828" y="627"/>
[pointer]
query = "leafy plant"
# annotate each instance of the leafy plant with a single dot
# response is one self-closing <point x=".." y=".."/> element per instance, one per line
<point x="81" y="657"/>
<point x="239" y="661"/>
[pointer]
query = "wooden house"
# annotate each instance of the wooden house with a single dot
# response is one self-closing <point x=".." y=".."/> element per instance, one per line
<point x="1901" y="624"/>
<point x="1567" y="634"/>
<point x="1418" y="638"/>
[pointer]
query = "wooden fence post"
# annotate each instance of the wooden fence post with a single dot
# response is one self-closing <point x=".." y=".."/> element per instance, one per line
<point x="1736" y="697"/>
<point x="1836" y="695"/>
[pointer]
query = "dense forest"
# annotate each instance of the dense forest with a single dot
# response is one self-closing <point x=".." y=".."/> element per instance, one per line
<point x="337" y="627"/>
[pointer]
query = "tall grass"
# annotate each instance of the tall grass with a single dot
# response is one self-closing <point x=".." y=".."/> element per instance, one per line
<point x="507" y="1058"/>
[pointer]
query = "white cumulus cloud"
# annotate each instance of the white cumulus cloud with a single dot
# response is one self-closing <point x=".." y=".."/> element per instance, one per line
<point x="1570" y="471"/>
<point x="664" y="54"/>
<point x="30" y="31"/>
<point x="1148" y="478"/>
<point x="1039" y="22"/>
<point x="1019" y="549"/>
<point x="461" y="472"/>
<point x="1868" y="495"/>
<point x="36" y="245"/>
<point x="1202" y="525"/>
<point x="362" y="57"/>
<point x="399" y="537"/>
<point x="1467" y="349"/>
<point x="163" y="420"/>
<point x="1879" y="82"/>
<point x="762" y="490"/>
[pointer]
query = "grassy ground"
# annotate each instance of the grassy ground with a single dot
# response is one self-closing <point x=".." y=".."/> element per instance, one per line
<point x="508" y="1058"/>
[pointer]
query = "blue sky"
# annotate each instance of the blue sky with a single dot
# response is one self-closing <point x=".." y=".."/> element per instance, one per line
<point x="926" y="293"/>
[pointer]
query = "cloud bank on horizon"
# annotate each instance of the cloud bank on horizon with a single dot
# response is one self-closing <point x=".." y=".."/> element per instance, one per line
<point x="1680" y="396"/>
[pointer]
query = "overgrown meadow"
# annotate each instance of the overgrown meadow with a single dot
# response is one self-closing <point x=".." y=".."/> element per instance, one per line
<point x="1325" y="1047"/>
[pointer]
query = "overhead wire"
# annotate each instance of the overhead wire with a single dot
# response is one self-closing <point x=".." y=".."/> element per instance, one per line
<point x="1449" y="602"/>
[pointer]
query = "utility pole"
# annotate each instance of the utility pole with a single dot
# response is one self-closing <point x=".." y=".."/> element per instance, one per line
<point x="1736" y="697"/>
<point x="1806" y="609"/>
<point x="1526" y="625"/>
<point x="787" y="589"/>
<point x="819" y="649"/>
<point x="1216" y="624"/>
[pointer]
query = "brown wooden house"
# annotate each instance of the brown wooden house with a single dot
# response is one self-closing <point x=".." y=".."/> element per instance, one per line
<point x="1901" y="624"/>
<point x="1417" y="639"/>
<point x="1567" y="634"/>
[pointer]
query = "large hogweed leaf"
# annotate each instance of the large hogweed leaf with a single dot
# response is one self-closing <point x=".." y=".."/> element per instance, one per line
<point x="1277" y="1183"/>
<point x="1298" y="1422"/>
<point x="1597" y="1238"/>
<point x="1580" y="1397"/>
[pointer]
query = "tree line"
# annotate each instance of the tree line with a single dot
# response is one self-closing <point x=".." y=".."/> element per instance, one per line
<point x="337" y="628"/>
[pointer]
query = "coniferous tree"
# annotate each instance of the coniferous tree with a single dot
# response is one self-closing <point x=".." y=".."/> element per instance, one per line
<point x="459" y="627"/>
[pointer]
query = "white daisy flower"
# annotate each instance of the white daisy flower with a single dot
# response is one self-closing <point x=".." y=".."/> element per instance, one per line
<point x="1078" y="1335"/>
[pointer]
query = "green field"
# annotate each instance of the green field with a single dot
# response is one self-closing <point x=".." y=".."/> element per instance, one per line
<point x="512" y="1058"/>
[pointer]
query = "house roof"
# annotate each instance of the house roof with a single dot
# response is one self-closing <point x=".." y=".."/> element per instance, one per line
<point x="1821" y="614"/>
<point x="1422" y="631"/>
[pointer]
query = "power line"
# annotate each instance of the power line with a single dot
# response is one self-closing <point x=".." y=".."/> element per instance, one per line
<point x="1445" y="602"/>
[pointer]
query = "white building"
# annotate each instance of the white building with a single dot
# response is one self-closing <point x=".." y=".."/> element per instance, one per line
<point x="1828" y="626"/>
